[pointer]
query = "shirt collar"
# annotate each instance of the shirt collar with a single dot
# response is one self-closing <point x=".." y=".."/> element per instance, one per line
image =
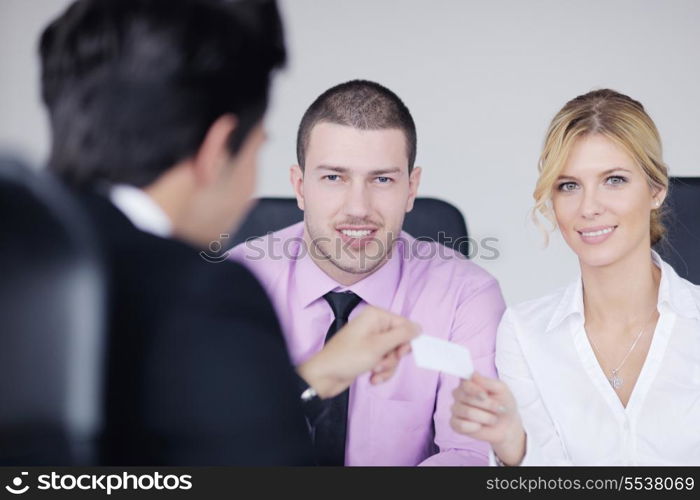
<point x="571" y="304"/>
<point x="674" y="291"/>
<point x="141" y="210"/>
<point x="377" y="289"/>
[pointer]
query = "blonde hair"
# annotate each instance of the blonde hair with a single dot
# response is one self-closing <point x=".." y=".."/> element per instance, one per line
<point x="620" y="119"/>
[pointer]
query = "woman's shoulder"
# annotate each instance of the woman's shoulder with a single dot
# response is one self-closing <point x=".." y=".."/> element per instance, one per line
<point x="539" y="314"/>
<point x="694" y="290"/>
<point x="683" y="295"/>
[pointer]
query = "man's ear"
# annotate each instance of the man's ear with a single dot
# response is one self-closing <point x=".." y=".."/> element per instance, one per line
<point x="296" y="177"/>
<point x="413" y="183"/>
<point x="213" y="154"/>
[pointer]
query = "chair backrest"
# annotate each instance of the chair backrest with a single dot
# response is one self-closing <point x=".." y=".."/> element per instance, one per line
<point x="51" y="324"/>
<point x="681" y="247"/>
<point x="430" y="219"/>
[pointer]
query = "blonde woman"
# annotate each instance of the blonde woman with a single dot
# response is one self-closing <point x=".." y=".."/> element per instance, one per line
<point x="607" y="370"/>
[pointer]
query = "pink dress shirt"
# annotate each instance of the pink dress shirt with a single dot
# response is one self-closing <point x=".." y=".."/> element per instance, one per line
<point x="406" y="420"/>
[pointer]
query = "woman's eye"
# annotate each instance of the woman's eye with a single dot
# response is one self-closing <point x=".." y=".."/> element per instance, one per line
<point x="567" y="186"/>
<point x="616" y="180"/>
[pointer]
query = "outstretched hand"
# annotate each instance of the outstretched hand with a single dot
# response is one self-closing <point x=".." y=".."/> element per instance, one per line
<point x="374" y="341"/>
<point x="485" y="409"/>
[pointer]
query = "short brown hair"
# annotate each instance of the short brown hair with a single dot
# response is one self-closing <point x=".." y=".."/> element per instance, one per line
<point x="360" y="104"/>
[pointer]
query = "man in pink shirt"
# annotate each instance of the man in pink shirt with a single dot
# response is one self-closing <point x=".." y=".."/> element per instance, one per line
<point x="355" y="181"/>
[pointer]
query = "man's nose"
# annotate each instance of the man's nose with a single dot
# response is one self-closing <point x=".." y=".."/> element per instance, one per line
<point x="357" y="201"/>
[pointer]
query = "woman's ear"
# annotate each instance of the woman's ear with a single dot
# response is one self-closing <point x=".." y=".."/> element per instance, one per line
<point x="658" y="197"/>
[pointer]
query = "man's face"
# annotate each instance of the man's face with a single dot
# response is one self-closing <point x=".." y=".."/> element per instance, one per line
<point x="355" y="191"/>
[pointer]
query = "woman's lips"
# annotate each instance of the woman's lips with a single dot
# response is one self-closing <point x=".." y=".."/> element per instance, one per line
<point x="596" y="235"/>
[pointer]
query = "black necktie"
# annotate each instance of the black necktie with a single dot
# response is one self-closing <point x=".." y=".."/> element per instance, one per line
<point x="331" y="430"/>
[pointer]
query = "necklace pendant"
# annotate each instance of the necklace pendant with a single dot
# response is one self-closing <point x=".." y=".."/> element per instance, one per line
<point x="615" y="380"/>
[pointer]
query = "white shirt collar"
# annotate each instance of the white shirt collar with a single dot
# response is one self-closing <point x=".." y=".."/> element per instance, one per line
<point x="141" y="210"/>
<point x="674" y="291"/>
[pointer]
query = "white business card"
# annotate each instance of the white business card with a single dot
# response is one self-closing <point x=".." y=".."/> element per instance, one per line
<point x="440" y="355"/>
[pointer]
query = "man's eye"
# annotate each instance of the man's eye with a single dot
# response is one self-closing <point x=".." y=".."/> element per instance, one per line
<point x="384" y="180"/>
<point x="567" y="186"/>
<point x="332" y="177"/>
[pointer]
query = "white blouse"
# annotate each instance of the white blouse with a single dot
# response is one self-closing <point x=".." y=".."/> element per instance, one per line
<point x="571" y="413"/>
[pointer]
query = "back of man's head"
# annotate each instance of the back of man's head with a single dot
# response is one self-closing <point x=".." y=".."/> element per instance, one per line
<point x="132" y="86"/>
<point x="360" y="104"/>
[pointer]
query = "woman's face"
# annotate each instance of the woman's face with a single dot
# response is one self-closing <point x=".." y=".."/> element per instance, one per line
<point x="602" y="202"/>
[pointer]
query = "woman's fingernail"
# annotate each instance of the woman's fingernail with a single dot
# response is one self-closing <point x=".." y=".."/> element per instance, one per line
<point x="502" y="409"/>
<point x="481" y="396"/>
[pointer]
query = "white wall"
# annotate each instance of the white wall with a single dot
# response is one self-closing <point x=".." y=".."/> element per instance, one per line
<point x="482" y="79"/>
<point x="23" y="128"/>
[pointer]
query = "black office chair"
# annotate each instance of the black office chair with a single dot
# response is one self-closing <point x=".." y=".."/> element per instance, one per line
<point x="681" y="247"/>
<point x="51" y="317"/>
<point x="431" y="219"/>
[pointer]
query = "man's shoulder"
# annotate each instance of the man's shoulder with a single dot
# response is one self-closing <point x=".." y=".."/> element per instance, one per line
<point x="225" y="286"/>
<point x="144" y="264"/>
<point x="269" y="255"/>
<point x="271" y="245"/>
<point x="122" y="244"/>
<point x="441" y="263"/>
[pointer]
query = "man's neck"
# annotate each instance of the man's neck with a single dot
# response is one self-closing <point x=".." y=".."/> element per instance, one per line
<point x="166" y="201"/>
<point x="173" y="192"/>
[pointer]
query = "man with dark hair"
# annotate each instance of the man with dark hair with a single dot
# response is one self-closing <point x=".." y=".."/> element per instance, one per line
<point x="355" y="181"/>
<point x="153" y="75"/>
<point x="156" y="113"/>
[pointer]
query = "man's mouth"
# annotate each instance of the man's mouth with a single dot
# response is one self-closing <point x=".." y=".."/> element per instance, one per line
<point x="356" y="236"/>
<point x="356" y="233"/>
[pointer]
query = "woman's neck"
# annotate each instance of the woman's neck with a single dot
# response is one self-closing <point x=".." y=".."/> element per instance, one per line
<point x="622" y="293"/>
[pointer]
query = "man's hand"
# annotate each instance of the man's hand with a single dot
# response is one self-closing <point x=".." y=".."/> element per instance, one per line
<point x="485" y="409"/>
<point x="373" y="341"/>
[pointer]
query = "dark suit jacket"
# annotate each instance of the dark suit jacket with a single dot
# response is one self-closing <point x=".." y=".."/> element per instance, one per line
<point x="198" y="371"/>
